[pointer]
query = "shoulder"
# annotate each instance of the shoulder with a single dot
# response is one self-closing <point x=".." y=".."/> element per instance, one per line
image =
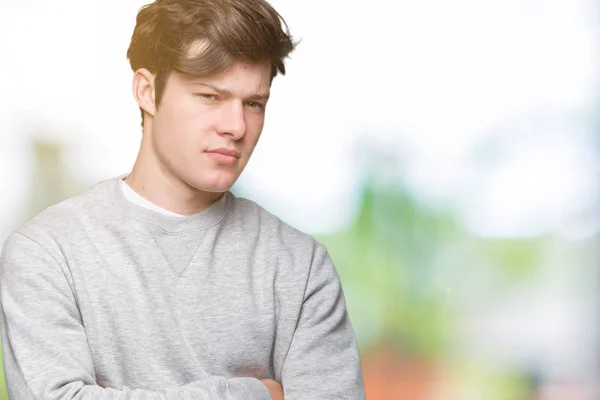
<point x="298" y="256"/>
<point x="279" y="235"/>
<point x="63" y="218"/>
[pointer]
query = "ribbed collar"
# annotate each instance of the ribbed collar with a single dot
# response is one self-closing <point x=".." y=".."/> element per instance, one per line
<point x="202" y="220"/>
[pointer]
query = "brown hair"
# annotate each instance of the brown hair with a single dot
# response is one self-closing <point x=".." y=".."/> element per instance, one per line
<point x="223" y="31"/>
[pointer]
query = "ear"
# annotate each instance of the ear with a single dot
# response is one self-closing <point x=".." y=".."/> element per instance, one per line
<point x="143" y="90"/>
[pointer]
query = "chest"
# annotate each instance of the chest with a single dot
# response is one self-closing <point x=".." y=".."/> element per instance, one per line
<point x="149" y="327"/>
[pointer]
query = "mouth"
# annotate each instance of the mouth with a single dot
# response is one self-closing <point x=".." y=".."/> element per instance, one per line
<point x="224" y="156"/>
<point x="225" y="152"/>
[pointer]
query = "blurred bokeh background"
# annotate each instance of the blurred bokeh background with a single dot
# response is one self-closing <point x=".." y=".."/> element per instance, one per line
<point x="447" y="153"/>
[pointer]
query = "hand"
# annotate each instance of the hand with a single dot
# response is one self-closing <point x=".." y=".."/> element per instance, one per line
<point x="275" y="389"/>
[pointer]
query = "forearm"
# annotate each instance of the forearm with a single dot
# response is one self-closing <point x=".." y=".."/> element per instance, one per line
<point x="214" y="388"/>
<point x="26" y="382"/>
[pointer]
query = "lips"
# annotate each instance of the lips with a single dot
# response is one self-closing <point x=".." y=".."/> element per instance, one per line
<point x="224" y="156"/>
<point x="225" y="152"/>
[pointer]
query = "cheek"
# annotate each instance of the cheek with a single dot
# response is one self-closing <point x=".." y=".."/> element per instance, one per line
<point x="176" y="140"/>
<point x="254" y="137"/>
<point x="255" y="127"/>
<point x="189" y="126"/>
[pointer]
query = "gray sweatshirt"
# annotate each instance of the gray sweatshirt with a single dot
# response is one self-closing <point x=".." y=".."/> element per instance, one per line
<point x="104" y="299"/>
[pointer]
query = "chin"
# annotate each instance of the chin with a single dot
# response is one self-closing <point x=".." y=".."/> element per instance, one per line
<point x="212" y="186"/>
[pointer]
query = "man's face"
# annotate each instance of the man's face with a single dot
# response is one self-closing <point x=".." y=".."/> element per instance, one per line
<point x="199" y="121"/>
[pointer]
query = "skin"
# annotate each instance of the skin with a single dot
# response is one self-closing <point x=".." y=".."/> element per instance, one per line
<point x="275" y="389"/>
<point x="174" y="168"/>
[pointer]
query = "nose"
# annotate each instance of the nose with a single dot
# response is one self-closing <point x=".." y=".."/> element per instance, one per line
<point x="232" y="120"/>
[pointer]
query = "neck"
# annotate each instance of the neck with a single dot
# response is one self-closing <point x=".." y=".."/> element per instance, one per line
<point x="154" y="182"/>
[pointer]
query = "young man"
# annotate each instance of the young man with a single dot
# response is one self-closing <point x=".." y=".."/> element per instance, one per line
<point x="161" y="284"/>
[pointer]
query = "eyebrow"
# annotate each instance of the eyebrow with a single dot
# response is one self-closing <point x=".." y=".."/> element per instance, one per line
<point x="228" y="93"/>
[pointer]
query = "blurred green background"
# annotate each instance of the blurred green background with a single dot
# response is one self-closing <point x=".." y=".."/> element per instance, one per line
<point x="447" y="154"/>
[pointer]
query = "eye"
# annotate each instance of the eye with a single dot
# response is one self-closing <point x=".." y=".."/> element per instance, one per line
<point x="207" y="96"/>
<point x="254" y="104"/>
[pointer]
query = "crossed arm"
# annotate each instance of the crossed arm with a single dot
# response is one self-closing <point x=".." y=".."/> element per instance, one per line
<point x="46" y="355"/>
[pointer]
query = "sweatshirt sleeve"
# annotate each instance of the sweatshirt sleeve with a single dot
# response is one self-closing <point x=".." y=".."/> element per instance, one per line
<point x="44" y="344"/>
<point x="323" y="361"/>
